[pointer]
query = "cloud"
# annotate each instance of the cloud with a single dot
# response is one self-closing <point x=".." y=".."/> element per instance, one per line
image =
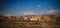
<point x="25" y="13"/>
<point x="47" y="12"/>
<point x="52" y="12"/>
<point x="30" y="13"/>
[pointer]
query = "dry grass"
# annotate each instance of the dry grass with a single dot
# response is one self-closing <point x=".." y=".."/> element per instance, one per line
<point x="45" y="22"/>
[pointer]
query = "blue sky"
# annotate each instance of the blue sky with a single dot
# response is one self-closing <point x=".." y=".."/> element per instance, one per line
<point x="20" y="6"/>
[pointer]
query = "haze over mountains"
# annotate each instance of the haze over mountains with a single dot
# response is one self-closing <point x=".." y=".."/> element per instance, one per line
<point x="47" y="12"/>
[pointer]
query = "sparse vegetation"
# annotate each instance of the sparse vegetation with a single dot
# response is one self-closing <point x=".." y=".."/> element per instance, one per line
<point x="13" y="22"/>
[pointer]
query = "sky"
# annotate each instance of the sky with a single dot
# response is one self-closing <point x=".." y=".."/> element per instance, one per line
<point x="28" y="7"/>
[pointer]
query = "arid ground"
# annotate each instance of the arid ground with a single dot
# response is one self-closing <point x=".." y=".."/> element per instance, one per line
<point x="33" y="21"/>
